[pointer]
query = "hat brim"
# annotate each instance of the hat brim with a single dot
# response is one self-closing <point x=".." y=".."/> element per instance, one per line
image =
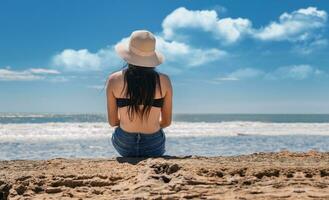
<point x="146" y="61"/>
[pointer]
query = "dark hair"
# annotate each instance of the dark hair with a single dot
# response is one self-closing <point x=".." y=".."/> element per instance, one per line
<point x="140" y="84"/>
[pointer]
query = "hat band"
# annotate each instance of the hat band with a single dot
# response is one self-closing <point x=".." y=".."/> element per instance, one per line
<point x="139" y="52"/>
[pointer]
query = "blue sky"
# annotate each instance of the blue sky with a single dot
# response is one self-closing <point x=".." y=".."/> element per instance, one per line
<point x="222" y="56"/>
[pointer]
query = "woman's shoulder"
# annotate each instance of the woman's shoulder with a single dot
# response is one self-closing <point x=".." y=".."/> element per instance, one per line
<point x="115" y="76"/>
<point x="164" y="77"/>
<point x="165" y="82"/>
<point x="114" y="80"/>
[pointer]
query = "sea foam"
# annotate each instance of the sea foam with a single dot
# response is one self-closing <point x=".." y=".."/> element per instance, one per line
<point x="99" y="130"/>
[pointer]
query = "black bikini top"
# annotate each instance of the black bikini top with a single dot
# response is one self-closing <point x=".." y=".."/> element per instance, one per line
<point x="122" y="102"/>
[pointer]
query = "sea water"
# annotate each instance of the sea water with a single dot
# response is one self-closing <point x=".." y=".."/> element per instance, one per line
<point x="44" y="136"/>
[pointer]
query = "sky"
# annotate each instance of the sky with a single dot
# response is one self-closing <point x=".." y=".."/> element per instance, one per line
<point x="221" y="56"/>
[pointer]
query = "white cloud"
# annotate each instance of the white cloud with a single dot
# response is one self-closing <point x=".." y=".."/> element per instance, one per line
<point x="83" y="60"/>
<point x="183" y="18"/>
<point x="10" y="75"/>
<point x="310" y="47"/>
<point x="78" y="60"/>
<point x="298" y="25"/>
<point x="232" y="29"/>
<point x="227" y="29"/>
<point x="7" y="74"/>
<point x="293" y="72"/>
<point x="43" y="71"/>
<point x="184" y="55"/>
<point x="244" y="73"/>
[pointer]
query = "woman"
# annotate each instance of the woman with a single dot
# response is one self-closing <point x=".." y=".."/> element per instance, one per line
<point x="139" y="99"/>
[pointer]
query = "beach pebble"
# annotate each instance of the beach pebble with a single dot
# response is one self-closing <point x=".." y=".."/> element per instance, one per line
<point x="173" y="168"/>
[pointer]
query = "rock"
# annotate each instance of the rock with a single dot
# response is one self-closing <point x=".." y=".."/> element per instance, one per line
<point x="23" y="178"/>
<point x="20" y="189"/>
<point x="100" y="183"/>
<point x="160" y="168"/>
<point x="37" y="189"/>
<point x="166" y="178"/>
<point x="68" y="183"/>
<point x="4" y="190"/>
<point x="173" y="168"/>
<point x="52" y="190"/>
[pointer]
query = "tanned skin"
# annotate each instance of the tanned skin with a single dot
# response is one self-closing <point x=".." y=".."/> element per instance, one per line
<point x="158" y="117"/>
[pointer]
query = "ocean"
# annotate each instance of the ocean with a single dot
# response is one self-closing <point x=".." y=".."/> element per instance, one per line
<point x="46" y="136"/>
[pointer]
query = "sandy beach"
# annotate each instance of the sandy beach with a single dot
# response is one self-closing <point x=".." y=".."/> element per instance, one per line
<point x="282" y="175"/>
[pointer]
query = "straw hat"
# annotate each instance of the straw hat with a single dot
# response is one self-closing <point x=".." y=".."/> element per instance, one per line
<point x="141" y="50"/>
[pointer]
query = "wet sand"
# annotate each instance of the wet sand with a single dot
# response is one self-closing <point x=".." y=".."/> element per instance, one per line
<point x="282" y="175"/>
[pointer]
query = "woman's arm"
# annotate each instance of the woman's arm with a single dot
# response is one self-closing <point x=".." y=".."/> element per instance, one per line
<point x="112" y="109"/>
<point x="166" y="111"/>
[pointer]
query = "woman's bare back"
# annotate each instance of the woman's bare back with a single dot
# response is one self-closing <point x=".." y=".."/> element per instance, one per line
<point x="159" y="117"/>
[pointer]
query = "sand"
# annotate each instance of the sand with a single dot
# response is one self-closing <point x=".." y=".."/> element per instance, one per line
<point x="282" y="175"/>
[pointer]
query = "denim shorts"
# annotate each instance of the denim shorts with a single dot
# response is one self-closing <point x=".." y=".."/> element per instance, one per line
<point x="136" y="144"/>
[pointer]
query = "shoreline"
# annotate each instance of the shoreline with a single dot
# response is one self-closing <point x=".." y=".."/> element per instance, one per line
<point x="282" y="175"/>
